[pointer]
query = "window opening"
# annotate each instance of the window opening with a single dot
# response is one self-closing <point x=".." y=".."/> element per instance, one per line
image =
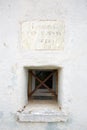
<point x="43" y="84"/>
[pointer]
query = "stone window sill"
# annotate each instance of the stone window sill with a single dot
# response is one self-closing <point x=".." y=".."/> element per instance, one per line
<point x="46" y="112"/>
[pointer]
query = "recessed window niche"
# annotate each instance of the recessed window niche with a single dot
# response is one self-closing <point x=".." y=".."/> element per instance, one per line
<point x="43" y="93"/>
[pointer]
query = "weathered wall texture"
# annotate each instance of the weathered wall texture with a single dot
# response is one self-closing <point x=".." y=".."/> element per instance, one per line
<point x="13" y="59"/>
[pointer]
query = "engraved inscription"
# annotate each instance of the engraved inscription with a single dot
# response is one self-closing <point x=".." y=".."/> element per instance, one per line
<point x="43" y="35"/>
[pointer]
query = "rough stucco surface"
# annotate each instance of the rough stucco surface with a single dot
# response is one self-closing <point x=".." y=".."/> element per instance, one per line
<point x="73" y="60"/>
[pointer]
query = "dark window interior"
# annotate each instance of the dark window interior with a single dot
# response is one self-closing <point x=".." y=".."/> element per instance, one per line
<point x="42" y="75"/>
<point x="47" y="82"/>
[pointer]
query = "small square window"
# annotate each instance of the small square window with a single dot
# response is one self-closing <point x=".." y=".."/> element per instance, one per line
<point x="43" y="84"/>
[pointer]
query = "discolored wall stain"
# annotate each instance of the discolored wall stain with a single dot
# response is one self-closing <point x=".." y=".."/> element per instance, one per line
<point x="1" y="114"/>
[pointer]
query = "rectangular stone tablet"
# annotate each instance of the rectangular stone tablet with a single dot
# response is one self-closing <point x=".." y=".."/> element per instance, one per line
<point x="43" y="35"/>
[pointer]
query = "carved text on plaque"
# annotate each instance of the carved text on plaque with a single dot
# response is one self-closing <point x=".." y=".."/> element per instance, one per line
<point x="43" y="35"/>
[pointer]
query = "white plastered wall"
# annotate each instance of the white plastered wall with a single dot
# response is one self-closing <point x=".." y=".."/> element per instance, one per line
<point x="73" y="60"/>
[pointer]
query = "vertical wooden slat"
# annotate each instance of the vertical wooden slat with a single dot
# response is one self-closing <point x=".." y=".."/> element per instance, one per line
<point x="57" y="83"/>
<point x="29" y="82"/>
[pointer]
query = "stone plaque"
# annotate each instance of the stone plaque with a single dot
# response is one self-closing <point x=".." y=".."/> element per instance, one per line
<point x="43" y="35"/>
